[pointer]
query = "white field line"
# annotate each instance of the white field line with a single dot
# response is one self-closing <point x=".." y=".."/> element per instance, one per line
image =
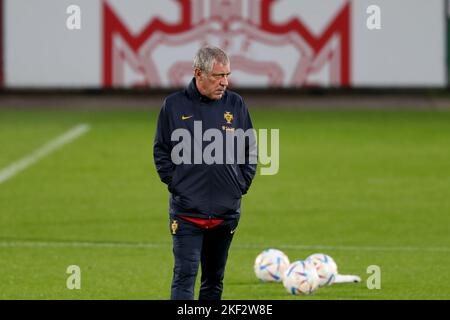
<point x="43" y="151"/>
<point x="150" y="245"/>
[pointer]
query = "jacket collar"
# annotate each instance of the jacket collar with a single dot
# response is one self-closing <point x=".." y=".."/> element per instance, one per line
<point x="196" y="95"/>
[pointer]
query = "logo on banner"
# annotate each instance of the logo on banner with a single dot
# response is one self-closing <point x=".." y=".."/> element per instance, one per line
<point x="262" y="52"/>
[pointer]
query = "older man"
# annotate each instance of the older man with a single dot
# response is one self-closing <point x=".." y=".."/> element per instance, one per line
<point x="205" y="196"/>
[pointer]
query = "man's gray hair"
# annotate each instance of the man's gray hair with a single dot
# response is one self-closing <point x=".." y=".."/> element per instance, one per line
<point x="206" y="56"/>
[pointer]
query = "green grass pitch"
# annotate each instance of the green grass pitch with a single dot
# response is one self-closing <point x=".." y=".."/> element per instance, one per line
<point x="366" y="187"/>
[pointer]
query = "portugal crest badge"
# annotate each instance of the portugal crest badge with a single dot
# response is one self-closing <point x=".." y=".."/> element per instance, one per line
<point x="174" y="226"/>
<point x="228" y="117"/>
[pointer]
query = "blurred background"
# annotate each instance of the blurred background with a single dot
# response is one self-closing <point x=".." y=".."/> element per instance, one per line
<point x="357" y="88"/>
<point x="147" y="46"/>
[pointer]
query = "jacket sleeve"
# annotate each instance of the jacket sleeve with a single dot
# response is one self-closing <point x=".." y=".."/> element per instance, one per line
<point x="162" y="147"/>
<point x="249" y="168"/>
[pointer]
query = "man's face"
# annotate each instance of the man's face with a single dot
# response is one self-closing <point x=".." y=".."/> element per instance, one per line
<point x="213" y="84"/>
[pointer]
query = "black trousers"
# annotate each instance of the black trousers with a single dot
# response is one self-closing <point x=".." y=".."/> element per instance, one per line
<point x="194" y="246"/>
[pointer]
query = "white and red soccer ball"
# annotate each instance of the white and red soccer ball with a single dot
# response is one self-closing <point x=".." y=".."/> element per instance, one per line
<point x="270" y="265"/>
<point x="301" y="278"/>
<point x="326" y="268"/>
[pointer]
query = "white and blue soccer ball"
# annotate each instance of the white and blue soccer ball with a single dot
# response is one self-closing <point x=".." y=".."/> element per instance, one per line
<point x="270" y="265"/>
<point x="301" y="278"/>
<point x="326" y="268"/>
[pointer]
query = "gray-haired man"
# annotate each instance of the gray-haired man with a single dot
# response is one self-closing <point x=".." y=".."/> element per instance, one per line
<point x="205" y="198"/>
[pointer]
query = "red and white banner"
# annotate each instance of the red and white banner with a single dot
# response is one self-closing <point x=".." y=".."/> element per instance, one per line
<point x="263" y="51"/>
<point x="1" y="44"/>
<point x="271" y="43"/>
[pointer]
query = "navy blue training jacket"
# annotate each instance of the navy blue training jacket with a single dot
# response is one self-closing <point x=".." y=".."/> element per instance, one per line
<point x="202" y="190"/>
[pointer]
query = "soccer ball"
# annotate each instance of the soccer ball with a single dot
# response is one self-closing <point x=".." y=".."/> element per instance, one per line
<point x="326" y="268"/>
<point x="301" y="278"/>
<point x="270" y="265"/>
